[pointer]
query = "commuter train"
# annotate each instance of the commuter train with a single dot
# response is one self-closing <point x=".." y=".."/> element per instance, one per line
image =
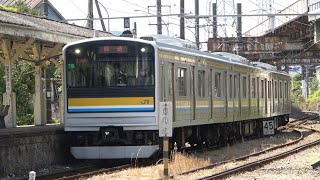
<point x="113" y="87"/>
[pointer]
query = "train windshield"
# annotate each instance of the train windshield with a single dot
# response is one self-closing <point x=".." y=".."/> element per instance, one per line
<point x="111" y="63"/>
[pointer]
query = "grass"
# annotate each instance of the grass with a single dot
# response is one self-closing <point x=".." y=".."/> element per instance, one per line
<point x="180" y="162"/>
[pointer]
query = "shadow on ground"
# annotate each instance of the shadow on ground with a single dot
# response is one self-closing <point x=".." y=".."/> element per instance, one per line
<point x="296" y="112"/>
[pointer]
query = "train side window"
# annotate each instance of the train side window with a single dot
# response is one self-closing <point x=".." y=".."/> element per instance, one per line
<point x="244" y="87"/>
<point x="262" y="89"/>
<point x="201" y="83"/>
<point x="253" y="88"/>
<point x="182" y="88"/>
<point x="217" y="84"/>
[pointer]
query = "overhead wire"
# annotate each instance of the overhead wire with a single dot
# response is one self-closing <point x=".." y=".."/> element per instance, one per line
<point x="87" y="16"/>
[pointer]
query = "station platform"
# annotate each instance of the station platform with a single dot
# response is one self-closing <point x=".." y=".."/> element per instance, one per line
<point x="30" y="129"/>
<point x="23" y="149"/>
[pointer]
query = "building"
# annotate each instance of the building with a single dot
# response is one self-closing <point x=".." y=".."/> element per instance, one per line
<point x="53" y="13"/>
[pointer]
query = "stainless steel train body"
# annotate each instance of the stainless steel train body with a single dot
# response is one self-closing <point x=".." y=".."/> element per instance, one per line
<point x="111" y="119"/>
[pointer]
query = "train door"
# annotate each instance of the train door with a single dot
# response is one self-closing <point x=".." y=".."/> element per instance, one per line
<point x="167" y="85"/>
<point x="225" y="87"/>
<point x="259" y="86"/>
<point x="192" y="93"/>
<point x="236" y="99"/>
<point x="276" y="98"/>
<point x="258" y="95"/>
<point x="249" y="95"/>
<point x="218" y="101"/>
<point x="269" y="98"/>
<point x="231" y="97"/>
<point x="244" y="96"/>
<point x="163" y="85"/>
<point x="273" y="103"/>
<point x="210" y="86"/>
<point x="286" y="101"/>
<point x="280" y="97"/>
<point x="182" y="98"/>
<point x="265" y="96"/>
<point x="202" y="100"/>
<point x="172" y="91"/>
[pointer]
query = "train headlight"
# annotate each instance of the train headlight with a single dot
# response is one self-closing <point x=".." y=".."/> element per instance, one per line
<point x="77" y="51"/>
<point x="143" y="50"/>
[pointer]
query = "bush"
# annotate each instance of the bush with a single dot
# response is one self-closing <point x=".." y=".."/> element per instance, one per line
<point x="313" y="100"/>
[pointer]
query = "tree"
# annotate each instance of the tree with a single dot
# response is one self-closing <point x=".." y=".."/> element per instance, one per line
<point x="296" y="93"/>
<point x="314" y="96"/>
<point x="24" y="85"/>
<point x="314" y="84"/>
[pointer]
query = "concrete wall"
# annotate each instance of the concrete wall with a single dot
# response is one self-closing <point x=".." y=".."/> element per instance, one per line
<point x="23" y="152"/>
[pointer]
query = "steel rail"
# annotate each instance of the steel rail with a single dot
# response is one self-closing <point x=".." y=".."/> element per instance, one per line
<point x="243" y="157"/>
<point x="290" y="125"/>
<point x="254" y="164"/>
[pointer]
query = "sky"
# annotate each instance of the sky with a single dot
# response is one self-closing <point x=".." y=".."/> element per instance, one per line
<point x="77" y="9"/>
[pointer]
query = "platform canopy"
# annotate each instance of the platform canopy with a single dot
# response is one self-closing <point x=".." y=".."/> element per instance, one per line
<point x="34" y="39"/>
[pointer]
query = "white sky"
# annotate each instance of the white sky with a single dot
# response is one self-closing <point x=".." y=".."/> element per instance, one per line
<point x="74" y="9"/>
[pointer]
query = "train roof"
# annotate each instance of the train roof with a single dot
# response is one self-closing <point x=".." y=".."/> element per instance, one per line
<point x="179" y="45"/>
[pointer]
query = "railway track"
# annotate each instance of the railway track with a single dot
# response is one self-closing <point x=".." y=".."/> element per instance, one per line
<point x="90" y="171"/>
<point x="84" y="173"/>
<point x="257" y="163"/>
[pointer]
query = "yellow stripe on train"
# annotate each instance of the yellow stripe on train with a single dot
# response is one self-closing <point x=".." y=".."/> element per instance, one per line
<point x="110" y="101"/>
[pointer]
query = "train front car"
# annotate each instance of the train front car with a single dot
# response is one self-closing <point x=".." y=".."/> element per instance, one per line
<point x="110" y="98"/>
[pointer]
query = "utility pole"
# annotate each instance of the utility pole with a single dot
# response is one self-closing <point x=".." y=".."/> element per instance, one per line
<point x="239" y="20"/>
<point x="182" y="24"/>
<point x="45" y="8"/>
<point x="239" y="28"/>
<point x="197" y="23"/>
<point x="100" y="15"/>
<point x="214" y="20"/>
<point x="90" y="14"/>
<point x="159" y="21"/>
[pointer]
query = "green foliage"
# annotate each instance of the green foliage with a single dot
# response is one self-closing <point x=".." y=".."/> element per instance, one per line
<point x="8" y="8"/>
<point x="314" y="97"/>
<point x="296" y="93"/>
<point x="24" y="86"/>
<point x="314" y="84"/>
<point x="23" y="8"/>
<point x="55" y="121"/>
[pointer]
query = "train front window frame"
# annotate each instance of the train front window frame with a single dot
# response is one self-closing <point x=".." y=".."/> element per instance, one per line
<point x="101" y="64"/>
